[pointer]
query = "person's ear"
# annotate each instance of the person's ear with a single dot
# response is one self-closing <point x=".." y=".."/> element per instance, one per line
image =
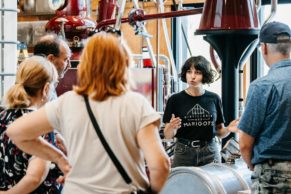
<point x="264" y="48"/>
<point x="51" y="57"/>
<point x="45" y="90"/>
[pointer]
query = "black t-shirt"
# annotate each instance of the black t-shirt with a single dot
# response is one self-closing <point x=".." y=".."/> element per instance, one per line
<point x="199" y="114"/>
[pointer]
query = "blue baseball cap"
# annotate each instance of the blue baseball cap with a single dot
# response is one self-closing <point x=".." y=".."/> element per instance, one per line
<point x="270" y="31"/>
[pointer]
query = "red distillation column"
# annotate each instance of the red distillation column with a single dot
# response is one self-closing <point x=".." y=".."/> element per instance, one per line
<point x="72" y="23"/>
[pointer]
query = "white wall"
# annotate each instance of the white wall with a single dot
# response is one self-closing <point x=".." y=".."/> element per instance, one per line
<point x="8" y="52"/>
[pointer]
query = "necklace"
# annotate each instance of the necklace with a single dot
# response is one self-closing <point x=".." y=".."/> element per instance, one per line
<point x="201" y="92"/>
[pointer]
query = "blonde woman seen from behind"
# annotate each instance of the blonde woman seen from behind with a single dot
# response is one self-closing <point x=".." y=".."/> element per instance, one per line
<point x="21" y="172"/>
<point x="126" y="119"/>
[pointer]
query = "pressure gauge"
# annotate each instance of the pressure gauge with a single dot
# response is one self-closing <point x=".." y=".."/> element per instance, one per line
<point x="57" y="4"/>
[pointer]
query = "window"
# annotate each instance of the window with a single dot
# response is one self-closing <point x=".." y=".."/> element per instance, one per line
<point x="282" y="15"/>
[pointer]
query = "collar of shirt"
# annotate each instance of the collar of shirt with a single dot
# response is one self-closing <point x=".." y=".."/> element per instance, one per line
<point x="282" y="63"/>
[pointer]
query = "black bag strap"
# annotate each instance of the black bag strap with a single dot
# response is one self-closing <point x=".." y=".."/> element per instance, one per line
<point x="116" y="162"/>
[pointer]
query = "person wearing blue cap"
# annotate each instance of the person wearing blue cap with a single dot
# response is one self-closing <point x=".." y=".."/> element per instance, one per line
<point x="265" y="126"/>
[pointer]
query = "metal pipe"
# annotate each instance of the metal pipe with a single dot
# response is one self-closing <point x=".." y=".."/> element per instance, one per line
<point x="249" y="51"/>
<point x="255" y="43"/>
<point x="273" y="10"/>
<point x="168" y="44"/>
<point x="152" y="16"/>
<point x="7" y="39"/>
<point x="89" y="8"/>
<point x="214" y="61"/>
<point x="259" y="5"/>
<point x="186" y="40"/>
<point x="119" y="16"/>
<point x="148" y="41"/>
<point x="11" y="10"/>
<point x="3" y="74"/>
<point x="8" y="42"/>
<point x="2" y="45"/>
<point x="159" y="92"/>
<point x="180" y="7"/>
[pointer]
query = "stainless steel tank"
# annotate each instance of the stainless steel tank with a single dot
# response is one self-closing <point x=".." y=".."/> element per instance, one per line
<point x="209" y="179"/>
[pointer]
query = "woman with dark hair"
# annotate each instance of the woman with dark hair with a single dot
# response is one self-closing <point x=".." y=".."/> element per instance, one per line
<point x="194" y="116"/>
<point x="128" y="123"/>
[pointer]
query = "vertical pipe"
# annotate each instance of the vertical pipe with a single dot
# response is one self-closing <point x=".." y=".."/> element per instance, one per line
<point x="179" y="56"/>
<point x="2" y="47"/>
<point x="89" y="8"/>
<point x="254" y="68"/>
<point x="230" y="48"/>
<point x="8" y="44"/>
<point x="230" y="84"/>
<point x="119" y="16"/>
<point x="157" y="69"/>
<point x="168" y="44"/>
<point x="148" y="41"/>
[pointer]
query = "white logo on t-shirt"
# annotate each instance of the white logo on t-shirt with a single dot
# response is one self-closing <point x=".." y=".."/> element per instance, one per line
<point x="197" y="117"/>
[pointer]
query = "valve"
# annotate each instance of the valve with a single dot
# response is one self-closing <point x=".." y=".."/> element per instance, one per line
<point x="135" y="18"/>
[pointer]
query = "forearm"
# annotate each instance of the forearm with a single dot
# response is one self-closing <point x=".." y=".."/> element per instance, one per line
<point x="155" y="156"/>
<point x="169" y="132"/>
<point x="158" y="178"/>
<point x="223" y="132"/>
<point x="246" y="143"/>
<point x="40" y="148"/>
<point x="26" y="185"/>
<point x="247" y="156"/>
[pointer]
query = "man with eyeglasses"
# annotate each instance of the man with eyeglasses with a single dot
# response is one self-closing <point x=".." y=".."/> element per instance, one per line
<point x="265" y="126"/>
<point x="56" y="51"/>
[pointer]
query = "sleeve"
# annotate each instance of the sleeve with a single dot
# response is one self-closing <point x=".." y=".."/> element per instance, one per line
<point x="219" y="109"/>
<point x="256" y="108"/>
<point x="168" y="110"/>
<point x="53" y="111"/>
<point x="148" y="114"/>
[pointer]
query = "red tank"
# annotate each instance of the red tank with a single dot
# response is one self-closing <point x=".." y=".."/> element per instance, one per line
<point x="105" y="9"/>
<point x="229" y="15"/>
<point x="72" y="23"/>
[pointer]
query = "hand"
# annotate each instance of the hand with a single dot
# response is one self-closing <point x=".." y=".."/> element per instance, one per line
<point x="64" y="166"/>
<point x="232" y="127"/>
<point x="60" y="180"/>
<point x="175" y="122"/>
<point x="251" y="168"/>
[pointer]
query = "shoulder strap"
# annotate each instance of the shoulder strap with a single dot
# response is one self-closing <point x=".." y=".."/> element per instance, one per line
<point x="116" y="162"/>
